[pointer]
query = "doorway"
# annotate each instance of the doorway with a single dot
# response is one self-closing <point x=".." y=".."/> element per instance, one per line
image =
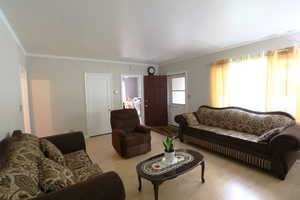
<point x="132" y="94"/>
<point x="25" y="104"/>
<point x="98" y="103"/>
<point x="177" y="96"/>
<point x="41" y="108"/>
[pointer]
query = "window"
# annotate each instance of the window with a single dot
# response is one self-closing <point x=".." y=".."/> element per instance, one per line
<point x="178" y="90"/>
<point x="266" y="82"/>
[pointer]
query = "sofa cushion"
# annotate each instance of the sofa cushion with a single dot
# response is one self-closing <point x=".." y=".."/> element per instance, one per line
<point x="77" y="159"/>
<point x="267" y="136"/>
<point x="247" y="146"/>
<point x="16" y="184"/>
<point x="29" y="151"/>
<point x="87" y="172"/>
<point x="23" y="162"/>
<point x="81" y="165"/>
<point x="53" y="176"/>
<point x="19" y="172"/>
<point x="226" y="132"/>
<point x="191" y="119"/>
<point x="52" y="152"/>
<point x="242" y="121"/>
<point x="25" y="145"/>
<point x="21" y="155"/>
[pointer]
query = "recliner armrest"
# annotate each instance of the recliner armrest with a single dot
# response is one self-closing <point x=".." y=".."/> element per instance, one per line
<point x="105" y="186"/>
<point x="142" y="129"/>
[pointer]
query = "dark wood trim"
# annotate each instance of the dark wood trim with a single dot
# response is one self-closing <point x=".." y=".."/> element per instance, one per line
<point x="251" y="111"/>
<point x="156" y="100"/>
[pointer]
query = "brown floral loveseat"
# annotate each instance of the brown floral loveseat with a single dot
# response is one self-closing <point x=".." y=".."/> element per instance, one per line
<point x="53" y="168"/>
<point x="268" y="140"/>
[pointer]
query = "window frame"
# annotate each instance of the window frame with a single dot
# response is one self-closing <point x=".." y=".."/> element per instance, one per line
<point x="183" y="75"/>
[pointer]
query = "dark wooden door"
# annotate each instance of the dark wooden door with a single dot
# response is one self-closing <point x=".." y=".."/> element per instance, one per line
<point x="156" y="100"/>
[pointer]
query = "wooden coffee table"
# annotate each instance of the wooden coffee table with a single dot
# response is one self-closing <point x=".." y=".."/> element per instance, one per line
<point x="157" y="171"/>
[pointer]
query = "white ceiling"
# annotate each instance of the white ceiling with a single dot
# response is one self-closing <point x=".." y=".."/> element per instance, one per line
<point x="150" y="31"/>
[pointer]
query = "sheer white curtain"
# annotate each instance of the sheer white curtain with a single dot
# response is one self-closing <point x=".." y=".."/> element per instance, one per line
<point x="247" y="82"/>
<point x="283" y="91"/>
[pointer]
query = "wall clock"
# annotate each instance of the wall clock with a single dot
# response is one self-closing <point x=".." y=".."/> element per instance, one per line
<point x="151" y="70"/>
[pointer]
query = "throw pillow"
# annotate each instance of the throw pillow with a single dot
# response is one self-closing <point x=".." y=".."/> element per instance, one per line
<point x="16" y="184"/>
<point x="53" y="176"/>
<point x="23" y="162"/>
<point x="191" y="119"/>
<point x="28" y="138"/>
<point x="52" y="152"/>
<point x="24" y="145"/>
<point x="267" y="136"/>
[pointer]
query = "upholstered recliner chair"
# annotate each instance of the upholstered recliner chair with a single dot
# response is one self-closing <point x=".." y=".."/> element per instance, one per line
<point x="129" y="138"/>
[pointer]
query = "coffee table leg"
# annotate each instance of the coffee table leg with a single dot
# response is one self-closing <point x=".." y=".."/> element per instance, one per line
<point x="140" y="183"/>
<point x="203" y="168"/>
<point x="156" y="187"/>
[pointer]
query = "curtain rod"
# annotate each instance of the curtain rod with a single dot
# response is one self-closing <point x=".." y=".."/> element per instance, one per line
<point x="222" y="61"/>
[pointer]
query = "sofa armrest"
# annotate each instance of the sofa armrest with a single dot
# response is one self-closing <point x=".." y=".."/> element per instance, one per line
<point x="68" y="142"/>
<point x="284" y="148"/>
<point x="182" y="124"/>
<point x="181" y="121"/>
<point x="287" y="140"/>
<point x="105" y="186"/>
<point x="142" y="129"/>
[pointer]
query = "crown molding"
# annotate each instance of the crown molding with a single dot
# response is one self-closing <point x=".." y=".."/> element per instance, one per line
<point x="86" y="59"/>
<point x="18" y="42"/>
<point x="11" y="30"/>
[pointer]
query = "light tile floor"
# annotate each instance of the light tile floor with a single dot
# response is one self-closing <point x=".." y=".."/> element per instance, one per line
<point x="225" y="179"/>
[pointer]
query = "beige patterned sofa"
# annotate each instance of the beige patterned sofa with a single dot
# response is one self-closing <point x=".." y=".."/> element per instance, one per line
<point x="53" y="168"/>
<point x="268" y="140"/>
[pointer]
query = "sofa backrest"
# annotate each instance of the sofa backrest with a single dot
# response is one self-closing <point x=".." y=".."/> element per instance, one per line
<point x="243" y="120"/>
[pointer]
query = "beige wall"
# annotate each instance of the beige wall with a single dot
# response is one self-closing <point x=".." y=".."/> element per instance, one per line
<point x="11" y="59"/>
<point x="198" y="68"/>
<point x="61" y="99"/>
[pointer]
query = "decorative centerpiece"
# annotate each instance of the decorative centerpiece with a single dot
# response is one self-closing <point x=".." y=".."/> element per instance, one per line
<point x="170" y="157"/>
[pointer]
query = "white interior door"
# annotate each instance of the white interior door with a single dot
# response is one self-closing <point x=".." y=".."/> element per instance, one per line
<point x="98" y="100"/>
<point x="177" y="96"/>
